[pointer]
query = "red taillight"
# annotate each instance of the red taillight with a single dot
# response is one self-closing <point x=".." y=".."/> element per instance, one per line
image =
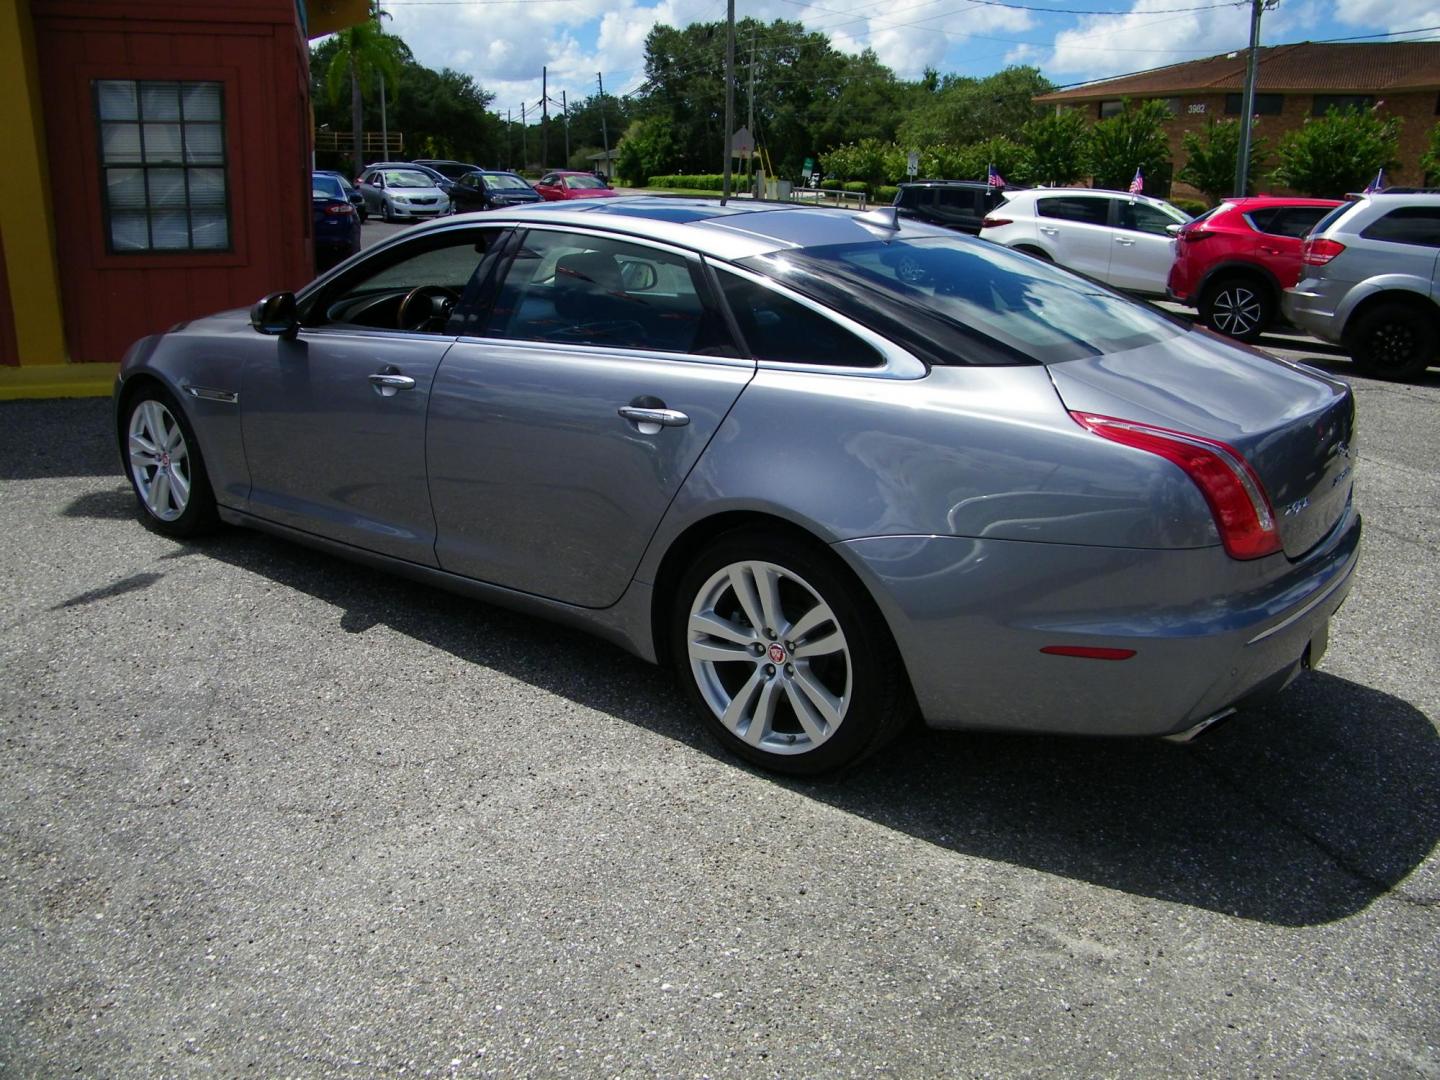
<point x="1088" y="652"/>
<point x="1195" y="234"/>
<point x="1232" y="489"/>
<point x="339" y="209"/>
<point x="995" y="222"/>
<point x="1320" y="252"/>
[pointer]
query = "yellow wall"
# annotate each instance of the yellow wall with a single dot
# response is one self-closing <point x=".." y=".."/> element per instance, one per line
<point x="26" y="213"/>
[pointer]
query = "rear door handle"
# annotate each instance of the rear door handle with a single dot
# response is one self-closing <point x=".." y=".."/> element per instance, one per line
<point x="388" y="384"/>
<point x="1049" y="230"/>
<point x="1126" y="241"/>
<point x="650" y="421"/>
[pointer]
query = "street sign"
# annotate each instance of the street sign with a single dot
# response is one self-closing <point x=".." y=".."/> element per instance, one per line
<point x="742" y="143"/>
<point x="912" y="164"/>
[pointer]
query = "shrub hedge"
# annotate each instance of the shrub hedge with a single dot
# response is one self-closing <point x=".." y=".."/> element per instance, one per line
<point x="1193" y="207"/>
<point x="885" y="193"/>
<point x="694" y="181"/>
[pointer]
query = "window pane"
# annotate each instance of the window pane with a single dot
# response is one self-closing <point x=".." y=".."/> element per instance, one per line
<point x="1407" y="225"/>
<point x="1141" y="217"/>
<point x="160" y="100"/>
<point x="167" y="189"/>
<point x="125" y="189"/>
<point x="1083" y="208"/>
<point x="162" y="143"/>
<point x="170" y="229"/>
<point x="129" y="230"/>
<point x="117" y="99"/>
<point x="209" y="229"/>
<point x="204" y="144"/>
<point x="120" y="143"/>
<point x="202" y="100"/>
<point x="777" y="328"/>
<point x="207" y="188"/>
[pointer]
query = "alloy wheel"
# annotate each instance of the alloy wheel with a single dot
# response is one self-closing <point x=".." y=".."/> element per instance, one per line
<point x="1237" y="311"/>
<point x="769" y="657"/>
<point x="159" y="460"/>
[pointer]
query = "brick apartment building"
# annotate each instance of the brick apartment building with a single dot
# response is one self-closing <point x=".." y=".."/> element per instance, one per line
<point x="1294" y="83"/>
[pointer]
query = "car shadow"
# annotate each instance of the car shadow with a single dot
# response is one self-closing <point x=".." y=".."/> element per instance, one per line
<point x="1299" y="812"/>
<point x="1341" y="366"/>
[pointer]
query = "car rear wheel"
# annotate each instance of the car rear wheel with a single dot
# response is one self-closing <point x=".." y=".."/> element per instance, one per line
<point x="165" y="467"/>
<point x="790" y="663"/>
<point x="1393" y="341"/>
<point x="1237" y="307"/>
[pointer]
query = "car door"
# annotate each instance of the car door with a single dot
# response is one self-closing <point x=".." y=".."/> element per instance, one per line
<point x="1142" y="247"/>
<point x="549" y="188"/>
<point x="334" y="420"/>
<point x="1076" y="231"/>
<point x="563" y="422"/>
<point x="468" y="192"/>
<point x="1280" y="234"/>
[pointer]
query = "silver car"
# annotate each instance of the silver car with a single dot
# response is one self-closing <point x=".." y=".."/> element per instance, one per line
<point x="396" y="193"/>
<point x="834" y="471"/>
<point x="1370" y="282"/>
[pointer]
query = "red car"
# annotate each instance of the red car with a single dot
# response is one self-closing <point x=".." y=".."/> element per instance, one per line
<point x="566" y="184"/>
<point x="1233" y="261"/>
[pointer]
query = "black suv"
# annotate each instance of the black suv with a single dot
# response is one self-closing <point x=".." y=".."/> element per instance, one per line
<point x="956" y="204"/>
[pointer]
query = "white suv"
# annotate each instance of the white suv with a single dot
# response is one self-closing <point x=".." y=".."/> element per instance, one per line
<point x="1121" y="239"/>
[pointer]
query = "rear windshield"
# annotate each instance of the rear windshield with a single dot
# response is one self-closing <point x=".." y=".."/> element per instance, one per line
<point x="954" y="300"/>
<point x="326" y="187"/>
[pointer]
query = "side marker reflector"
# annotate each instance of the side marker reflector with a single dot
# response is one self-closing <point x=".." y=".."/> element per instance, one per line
<point x="1087" y="652"/>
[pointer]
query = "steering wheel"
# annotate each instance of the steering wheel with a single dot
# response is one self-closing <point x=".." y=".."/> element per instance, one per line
<point x="426" y="308"/>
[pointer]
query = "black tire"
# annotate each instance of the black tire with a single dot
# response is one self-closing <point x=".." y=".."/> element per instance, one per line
<point x="861" y="680"/>
<point x="1393" y="341"/>
<point x="1237" y="306"/>
<point x="161" y="425"/>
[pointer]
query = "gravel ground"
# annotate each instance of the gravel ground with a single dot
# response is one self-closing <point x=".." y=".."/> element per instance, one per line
<point x="266" y="813"/>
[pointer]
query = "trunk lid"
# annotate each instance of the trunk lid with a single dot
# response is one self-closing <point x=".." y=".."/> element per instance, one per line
<point x="1294" y="425"/>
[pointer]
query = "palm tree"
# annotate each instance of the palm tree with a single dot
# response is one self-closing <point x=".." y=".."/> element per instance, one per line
<point x="363" y="52"/>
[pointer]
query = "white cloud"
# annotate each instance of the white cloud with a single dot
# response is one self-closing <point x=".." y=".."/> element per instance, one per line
<point x="1387" y="15"/>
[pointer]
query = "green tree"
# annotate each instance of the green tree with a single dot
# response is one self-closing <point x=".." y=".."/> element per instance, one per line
<point x="1055" y="146"/>
<point x="1210" y="157"/>
<point x="1430" y="160"/>
<point x="647" y="149"/>
<point x="965" y="110"/>
<point x="363" y="54"/>
<point x="1008" y="158"/>
<point x="1342" y="151"/>
<point x="1132" y="139"/>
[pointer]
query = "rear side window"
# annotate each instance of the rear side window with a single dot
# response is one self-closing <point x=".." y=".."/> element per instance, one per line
<point x="1418" y="225"/>
<point x="1332" y="217"/>
<point x="1083" y="208"/>
<point x="777" y="328"/>
<point x="1294" y="221"/>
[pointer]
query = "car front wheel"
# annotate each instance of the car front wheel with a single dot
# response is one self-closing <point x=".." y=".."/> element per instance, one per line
<point x="1237" y="307"/>
<point x="165" y="467"/>
<point x="790" y="663"/>
<point x="1393" y="341"/>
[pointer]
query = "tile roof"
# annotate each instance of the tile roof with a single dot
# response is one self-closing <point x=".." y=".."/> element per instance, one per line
<point x="1299" y="68"/>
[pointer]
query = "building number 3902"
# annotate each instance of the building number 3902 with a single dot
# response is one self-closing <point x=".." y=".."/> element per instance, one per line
<point x="1198" y="108"/>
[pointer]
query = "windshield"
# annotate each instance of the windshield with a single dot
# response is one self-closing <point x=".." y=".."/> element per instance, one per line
<point x="326" y="187"/>
<point x="956" y="300"/>
<point x="584" y="182"/>
<point x="404" y="178"/>
<point x="505" y="182"/>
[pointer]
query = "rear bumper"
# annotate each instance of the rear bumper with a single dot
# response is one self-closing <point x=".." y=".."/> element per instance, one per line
<point x="971" y="616"/>
<point x="1312" y="311"/>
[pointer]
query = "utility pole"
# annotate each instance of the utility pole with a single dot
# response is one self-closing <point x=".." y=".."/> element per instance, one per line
<point x="565" y="108"/>
<point x="750" y="121"/>
<point x="1247" y="104"/>
<point x="544" y="118"/>
<point x="604" y="132"/>
<point x="524" y="152"/>
<point x="729" y="96"/>
<point x="509" y="134"/>
<point x="384" y="125"/>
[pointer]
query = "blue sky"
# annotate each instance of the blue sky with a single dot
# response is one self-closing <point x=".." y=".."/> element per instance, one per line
<point x="504" y="43"/>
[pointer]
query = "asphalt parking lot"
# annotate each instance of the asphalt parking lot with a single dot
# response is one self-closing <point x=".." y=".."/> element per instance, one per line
<point x="268" y="813"/>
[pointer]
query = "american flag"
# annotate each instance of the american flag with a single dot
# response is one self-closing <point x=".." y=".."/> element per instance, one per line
<point x="1378" y="184"/>
<point x="994" y="179"/>
<point x="1138" y="184"/>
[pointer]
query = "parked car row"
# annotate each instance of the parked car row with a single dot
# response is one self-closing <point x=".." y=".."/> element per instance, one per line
<point x="1369" y="264"/>
<point x="431" y="187"/>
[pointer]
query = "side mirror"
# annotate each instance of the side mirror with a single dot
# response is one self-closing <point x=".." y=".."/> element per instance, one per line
<point x="275" y="315"/>
<point x="1173" y="230"/>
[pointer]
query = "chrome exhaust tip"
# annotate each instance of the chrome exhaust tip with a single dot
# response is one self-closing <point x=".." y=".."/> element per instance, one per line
<point x="1190" y="734"/>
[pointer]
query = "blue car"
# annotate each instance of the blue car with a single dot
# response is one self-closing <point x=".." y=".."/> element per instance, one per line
<point x="337" y="222"/>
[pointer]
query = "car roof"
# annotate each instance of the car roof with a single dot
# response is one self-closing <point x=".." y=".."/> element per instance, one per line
<point x="1255" y="202"/>
<point x="740" y="229"/>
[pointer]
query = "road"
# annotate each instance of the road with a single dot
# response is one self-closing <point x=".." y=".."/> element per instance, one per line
<point x="268" y="813"/>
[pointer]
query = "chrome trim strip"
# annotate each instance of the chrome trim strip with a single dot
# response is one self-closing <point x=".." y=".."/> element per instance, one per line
<point x="1300" y="612"/>
<point x="210" y="393"/>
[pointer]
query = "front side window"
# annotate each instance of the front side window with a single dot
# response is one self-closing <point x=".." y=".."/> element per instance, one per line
<point x="162" y="160"/>
<point x="1083" y="208"/>
<point x="577" y="289"/>
<point x="1142" y="217"/>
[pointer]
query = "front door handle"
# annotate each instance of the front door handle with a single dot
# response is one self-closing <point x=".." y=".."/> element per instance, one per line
<point x="389" y="383"/>
<point x="1126" y="241"/>
<point x="650" y="421"/>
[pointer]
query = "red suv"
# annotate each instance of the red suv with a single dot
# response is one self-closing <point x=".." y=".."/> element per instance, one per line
<point x="1232" y="262"/>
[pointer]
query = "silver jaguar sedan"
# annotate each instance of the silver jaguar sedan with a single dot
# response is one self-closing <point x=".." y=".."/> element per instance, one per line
<point x="835" y="468"/>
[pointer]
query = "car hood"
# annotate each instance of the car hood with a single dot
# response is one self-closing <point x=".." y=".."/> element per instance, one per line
<point x="1293" y="424"/>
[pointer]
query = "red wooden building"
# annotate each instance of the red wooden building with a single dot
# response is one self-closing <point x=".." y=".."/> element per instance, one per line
<point x="162" y="172"/>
